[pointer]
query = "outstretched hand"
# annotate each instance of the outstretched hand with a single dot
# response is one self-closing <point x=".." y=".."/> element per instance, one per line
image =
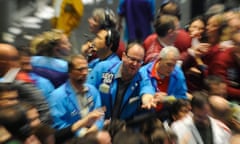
<point x="148" y="101"/>
<point x="93" y="116"/>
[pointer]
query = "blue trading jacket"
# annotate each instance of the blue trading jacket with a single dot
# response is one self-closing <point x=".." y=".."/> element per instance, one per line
<point x="113" y="58"/>
<point x="132" y="98"/>
<point x="65" y="108"/>
<point x="177" y="84"/>
<point x="54" y="69"/>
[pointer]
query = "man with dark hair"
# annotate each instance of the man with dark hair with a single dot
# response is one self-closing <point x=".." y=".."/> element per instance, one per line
<point x="200" y="128"/>
<point x="14" y="119"/>
<point x="167" y="34"/>
<point x="75" y="99"/>
<point x="8" y="94"/>
<point x="101" y="19"/>
<point x="105" y="44"/>
<point x="215" y="85"/>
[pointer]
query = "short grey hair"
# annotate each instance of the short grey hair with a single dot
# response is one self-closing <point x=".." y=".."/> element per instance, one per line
<point x="169" y="49"/>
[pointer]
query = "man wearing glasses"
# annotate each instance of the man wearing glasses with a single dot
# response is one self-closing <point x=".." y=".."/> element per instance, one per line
<point x="75" y="99"/>
<point x="123" y="90"/>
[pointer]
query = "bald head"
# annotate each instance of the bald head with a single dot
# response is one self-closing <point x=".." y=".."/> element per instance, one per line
<point x="8" y="58"/>
<point x="7" y="52"/>
<point x="235" y="139"/>
<point x="219" y="106"/>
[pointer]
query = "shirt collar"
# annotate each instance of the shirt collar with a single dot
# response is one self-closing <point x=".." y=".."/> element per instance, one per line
<point x="154" y="73"/>
<point x="119" y="72"/>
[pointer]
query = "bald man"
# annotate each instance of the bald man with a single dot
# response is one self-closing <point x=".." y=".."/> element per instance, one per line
<point x="9" y="58"/>
<point x="220" y="108"/>
<point x="235" y="139"/>
<point x="225" y="111"/>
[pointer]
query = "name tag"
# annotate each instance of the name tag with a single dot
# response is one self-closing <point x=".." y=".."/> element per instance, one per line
<point x="107" y="77"/>
<point x="104" y="88"/>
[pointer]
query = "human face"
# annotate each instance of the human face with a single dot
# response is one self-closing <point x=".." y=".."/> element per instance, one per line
<point x="183" y="111"/>
<point x="132" y="60"/>
<point x="26" y="63"/>
<point x="9" y="59"/>
<point x="64" y="46"/>
<point x="234" y="24"/>
<point x="8" y="98"/>
<point x="33" y="117"/>
<point x="196" y="29"/>
<point x="94" y="25"/>
<point x="165" y="66"/>
<point x="171" y="35"/>
<point x="79" y="72"/>
<point x="100" y="42"/>
<point x="212" y="26"/>
<point x="219" y="89"/>
<point x="200" y="116"/>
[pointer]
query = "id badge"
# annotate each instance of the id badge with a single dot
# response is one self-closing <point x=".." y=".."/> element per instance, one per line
<point x="104" y="88"/>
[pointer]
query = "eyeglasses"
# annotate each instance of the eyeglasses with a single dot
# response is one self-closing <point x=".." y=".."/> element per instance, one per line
<point x="81" y="68"/>
<point x="134" y="59"/>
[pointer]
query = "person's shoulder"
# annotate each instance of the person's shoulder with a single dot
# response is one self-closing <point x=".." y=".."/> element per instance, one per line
<point x="150" y="38"/>
<point x="186" y="121"/>
<point x="106" y="65"/>
<point x="147" y="66"/>
<point x="59" y="90"/>
<point x="221" y="125"/>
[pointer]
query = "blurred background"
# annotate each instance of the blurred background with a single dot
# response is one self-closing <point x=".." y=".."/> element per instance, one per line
<point x="23" y="19"/>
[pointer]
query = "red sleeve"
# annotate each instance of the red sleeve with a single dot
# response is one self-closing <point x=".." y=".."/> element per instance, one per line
<point x="219" y="65"/>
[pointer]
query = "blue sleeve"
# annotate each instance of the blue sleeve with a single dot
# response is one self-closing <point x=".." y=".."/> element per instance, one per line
<point x="57" y="111"/>
<point x="45" y="86"/>
<point x="95" y="76"/>
<point x="177" y="84"/>
<point x="97" y="104"/>
<point x="146" y="83"/>
<point x="146" y="87"/>
<point x="152" y="5"/>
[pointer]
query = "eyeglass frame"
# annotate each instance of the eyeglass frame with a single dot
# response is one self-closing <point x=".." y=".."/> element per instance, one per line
<point x="134" y="59"/>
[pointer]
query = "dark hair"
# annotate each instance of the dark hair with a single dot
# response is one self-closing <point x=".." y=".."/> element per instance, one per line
<point x="177" y="105"/>
<point x="42" y="132"/>
<point x="115" y="126"/>
<point x="84" y="140"/>
<point x="199" y="100"/>
<point x="112" y="39"/>
<point x="8" y="87"/>
<point x="210" y="80"/>
<point x="14" y="119"/>
<point x="24" y="51"/>
<point x="129" y="137"/>
<point x="72" y="58"/>
<point x="163" y="24"/>
<point x="201" y="18"/>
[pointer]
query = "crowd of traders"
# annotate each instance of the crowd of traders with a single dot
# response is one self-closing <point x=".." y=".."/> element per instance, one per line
<point x="162" y="85"/>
